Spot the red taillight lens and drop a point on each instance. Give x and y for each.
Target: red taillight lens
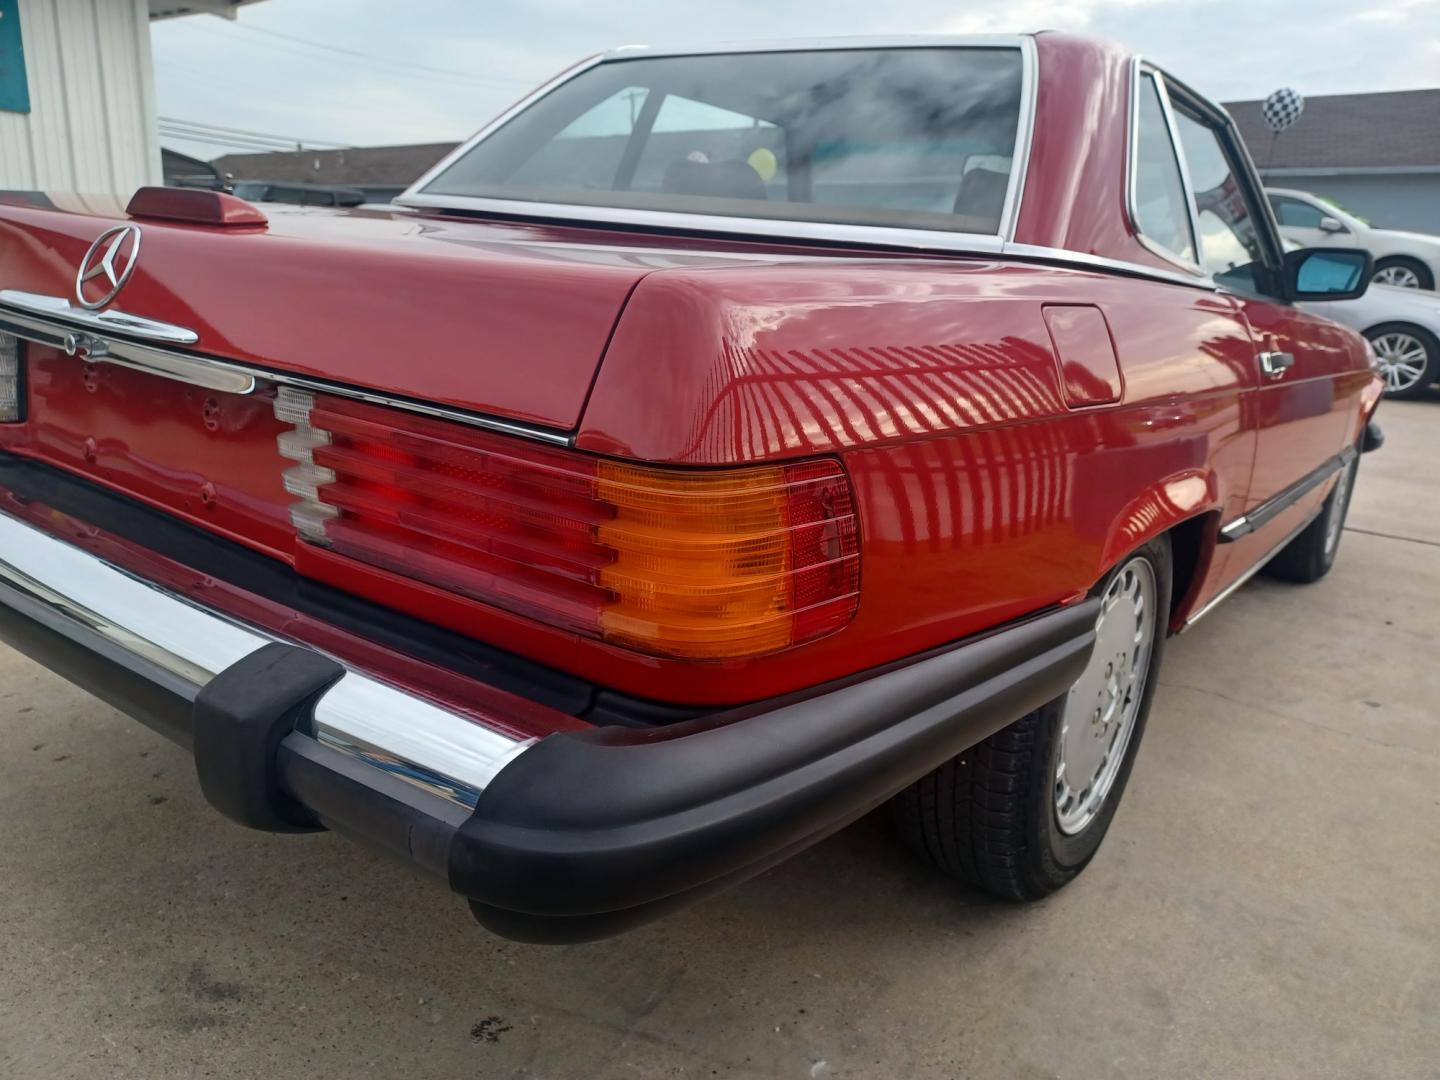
(714, 564)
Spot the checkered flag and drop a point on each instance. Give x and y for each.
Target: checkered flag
(1282, 109)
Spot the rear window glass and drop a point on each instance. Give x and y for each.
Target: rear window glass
(918, 138)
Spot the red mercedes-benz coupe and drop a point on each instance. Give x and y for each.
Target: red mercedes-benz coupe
(719, 445)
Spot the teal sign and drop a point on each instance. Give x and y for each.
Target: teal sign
(14, 91)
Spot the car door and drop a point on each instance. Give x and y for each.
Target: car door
(1301, 409)
(1303, 221)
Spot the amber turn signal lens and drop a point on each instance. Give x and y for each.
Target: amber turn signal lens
(691, 564)
(725, 564)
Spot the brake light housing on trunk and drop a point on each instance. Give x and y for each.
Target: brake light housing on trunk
(713, 564)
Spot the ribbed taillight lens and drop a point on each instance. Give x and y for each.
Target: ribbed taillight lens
(688, 563)
(10, 403)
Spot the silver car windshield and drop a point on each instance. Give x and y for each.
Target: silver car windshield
(913, 138)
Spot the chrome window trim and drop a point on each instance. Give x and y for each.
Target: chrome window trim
(1237, 156)
(1024, 139)
(230, 376)
(1139, 70)
(776, 228)
(1082, 261)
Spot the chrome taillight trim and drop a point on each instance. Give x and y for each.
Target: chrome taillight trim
(184, 645)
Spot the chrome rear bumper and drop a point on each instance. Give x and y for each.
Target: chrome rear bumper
(578, 835)
(182, 647)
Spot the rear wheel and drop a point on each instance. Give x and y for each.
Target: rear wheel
(1409, 358)
(1402, 273)
(1023, 812)
(1310, 555)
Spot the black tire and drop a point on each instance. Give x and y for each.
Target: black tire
(988, 817)
(1421, 387)
(1415, 266)
(1310, 556)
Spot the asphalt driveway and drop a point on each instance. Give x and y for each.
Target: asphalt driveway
(1267, 904)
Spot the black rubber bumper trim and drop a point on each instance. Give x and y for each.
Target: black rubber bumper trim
(586, 832)
(1373, 439)
(238, 721)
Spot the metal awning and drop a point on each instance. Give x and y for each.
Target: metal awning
(170, 9)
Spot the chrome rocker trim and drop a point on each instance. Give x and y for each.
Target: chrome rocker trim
(181, 647)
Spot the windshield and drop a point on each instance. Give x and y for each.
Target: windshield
(916, 138)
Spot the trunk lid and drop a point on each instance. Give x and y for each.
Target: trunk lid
(505, 320)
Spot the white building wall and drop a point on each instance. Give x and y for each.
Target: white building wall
(91, 125)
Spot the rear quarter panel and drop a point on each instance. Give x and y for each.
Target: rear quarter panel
(982, 495)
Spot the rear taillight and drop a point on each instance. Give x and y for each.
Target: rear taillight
(696, 564)
(10, 403)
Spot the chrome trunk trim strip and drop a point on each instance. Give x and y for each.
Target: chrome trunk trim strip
(58, 309)
(227, 375)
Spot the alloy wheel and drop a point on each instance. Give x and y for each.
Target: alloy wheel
(1401, 277)
(1101, 709)
(1402, 359)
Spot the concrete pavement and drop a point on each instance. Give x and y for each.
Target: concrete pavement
(1267, 903)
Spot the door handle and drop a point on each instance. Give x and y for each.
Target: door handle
(1275, 364)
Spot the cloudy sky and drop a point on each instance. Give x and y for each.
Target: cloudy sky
(373, 72)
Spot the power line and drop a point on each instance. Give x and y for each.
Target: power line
(226, 144)
(243, 133)
(352, 58)
(382, 59)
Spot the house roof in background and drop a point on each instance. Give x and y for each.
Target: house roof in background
(1397, 129)
(365, 165)
(174, 163)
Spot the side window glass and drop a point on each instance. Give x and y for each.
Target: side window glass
(1297, 214)
(1161, 212)
(1230, 247)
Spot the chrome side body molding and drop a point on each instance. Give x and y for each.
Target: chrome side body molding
(1248, 523)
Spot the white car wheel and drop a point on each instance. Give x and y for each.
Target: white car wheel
(1402, 277)
(1401, 272)
(1409, 358)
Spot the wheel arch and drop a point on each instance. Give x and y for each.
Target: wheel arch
(1185, 507)
(1419, 265)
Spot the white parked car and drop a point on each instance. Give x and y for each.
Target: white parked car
(1403, 259)
(1403, 326)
